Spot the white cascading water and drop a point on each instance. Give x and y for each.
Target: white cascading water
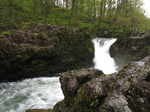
(36, 93)
(102, 59)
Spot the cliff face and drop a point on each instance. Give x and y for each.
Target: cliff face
(89, 90)
(43, 51)
(125, 50)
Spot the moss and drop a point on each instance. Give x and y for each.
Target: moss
(111, 85)
(5, 33)
(43, 35)
(118, 76)
(94, 103)
(102, 75)
(85, 95)
(91, 49)
(35, 34)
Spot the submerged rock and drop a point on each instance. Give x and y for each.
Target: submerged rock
(89, 90)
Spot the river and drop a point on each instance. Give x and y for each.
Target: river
(45, 92)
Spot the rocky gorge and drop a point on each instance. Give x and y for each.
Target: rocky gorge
(56, 51)
(89, 90)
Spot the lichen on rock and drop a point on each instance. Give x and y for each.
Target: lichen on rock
(88, 90)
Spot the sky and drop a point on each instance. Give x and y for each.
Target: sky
(147, 7)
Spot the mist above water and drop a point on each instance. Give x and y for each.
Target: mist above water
(102, 59)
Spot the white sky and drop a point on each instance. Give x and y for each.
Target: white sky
(147, 7)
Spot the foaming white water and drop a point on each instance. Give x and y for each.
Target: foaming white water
(102, 59)
(37, 93)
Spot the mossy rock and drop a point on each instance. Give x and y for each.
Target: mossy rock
(43, 51)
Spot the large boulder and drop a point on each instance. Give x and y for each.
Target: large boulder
(125, 50)
(89, 90)
(43, 51)
(73, 80)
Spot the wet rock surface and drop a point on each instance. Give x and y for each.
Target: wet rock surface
(125, 50)
(89, 90)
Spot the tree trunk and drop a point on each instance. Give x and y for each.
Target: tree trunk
(67, 4)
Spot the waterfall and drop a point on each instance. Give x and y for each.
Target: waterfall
(44, 93)
(102, 59)
(36, 93)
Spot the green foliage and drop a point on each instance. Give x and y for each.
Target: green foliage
(86, 26)
(115, 15)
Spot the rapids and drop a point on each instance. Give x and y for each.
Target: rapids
(36, 93)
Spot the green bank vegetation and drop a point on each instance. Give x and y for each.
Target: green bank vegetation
(120, 16)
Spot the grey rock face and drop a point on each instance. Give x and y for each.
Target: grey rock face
(89, 90)
(125, 50)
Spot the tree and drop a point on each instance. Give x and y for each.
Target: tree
(114, 15)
